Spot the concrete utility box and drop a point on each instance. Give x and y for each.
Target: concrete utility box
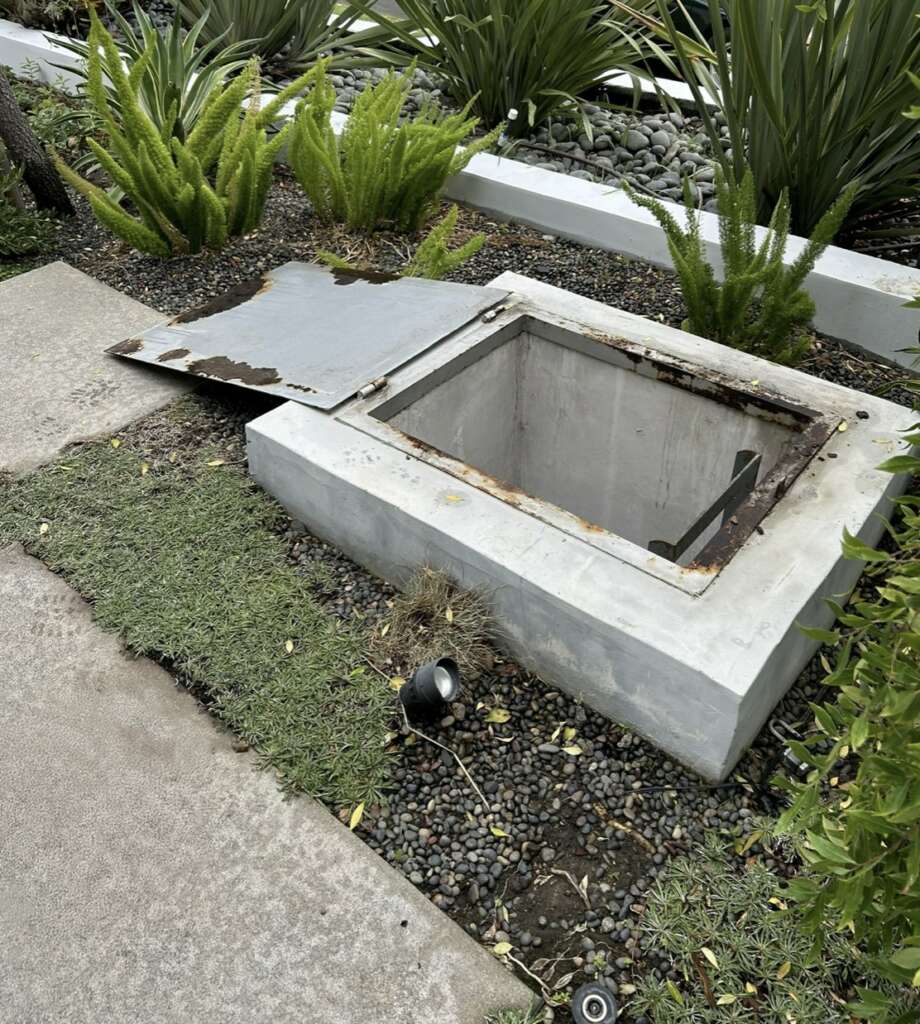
(651, 513)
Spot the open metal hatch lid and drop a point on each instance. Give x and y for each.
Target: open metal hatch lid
(311, 334)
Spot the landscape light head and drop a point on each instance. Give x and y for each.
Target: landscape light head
(594, 1004)
(431, 686)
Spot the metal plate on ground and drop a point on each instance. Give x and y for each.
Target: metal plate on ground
(311, 334)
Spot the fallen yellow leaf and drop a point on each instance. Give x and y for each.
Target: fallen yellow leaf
(726, 1000)
(145, 469)
(710, 956)
(356, 815)
(116, 443)
(216, 462)
(289, 646)
(574, 750)
(385, 630)
(43, 529)
(499, 833)
(784, 970)
(502, 948)
(397, 683)
(449, 615)
(498, 716)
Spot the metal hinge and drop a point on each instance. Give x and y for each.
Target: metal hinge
(492, 314)
(374, 386)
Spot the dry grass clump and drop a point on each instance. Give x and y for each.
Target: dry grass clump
(434, 618)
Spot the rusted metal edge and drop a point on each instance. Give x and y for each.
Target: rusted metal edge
(813, 430)
(751, 513)
(235, 296)
(704, 381)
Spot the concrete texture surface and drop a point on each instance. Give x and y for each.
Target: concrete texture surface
(58, 385)
(695, 659)
(149, 874)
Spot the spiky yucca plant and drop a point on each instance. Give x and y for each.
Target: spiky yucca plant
(381, 171)
(296, 33)
(180, 70)
(188, 194)
(760, 305)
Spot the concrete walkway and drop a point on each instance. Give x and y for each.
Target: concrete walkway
(57, 385)
(148, 873)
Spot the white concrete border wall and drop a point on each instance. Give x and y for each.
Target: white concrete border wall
(860, 299)
(26, 46)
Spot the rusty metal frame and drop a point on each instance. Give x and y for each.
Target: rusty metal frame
(811, 429)
(743, 481)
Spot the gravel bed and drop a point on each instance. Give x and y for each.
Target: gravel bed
(556, 854)
(603, 143)
(507, 865)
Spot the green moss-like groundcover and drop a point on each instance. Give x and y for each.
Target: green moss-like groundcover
(180, 559)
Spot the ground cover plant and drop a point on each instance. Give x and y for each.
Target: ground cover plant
(187, 193)
(856, 818)
(515, 1017)
(813, 94)
(181, 557)
(505, 58)
(382, 171)
(761, 306)
(741, 956)
(23, 232)
(51, 14)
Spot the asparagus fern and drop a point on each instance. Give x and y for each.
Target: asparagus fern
(187, 193)
(760, 306)
(434, 258)
(382, 171)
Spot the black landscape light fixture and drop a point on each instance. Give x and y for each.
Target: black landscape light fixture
(783, 731)
(431, 686)
(594, 1004)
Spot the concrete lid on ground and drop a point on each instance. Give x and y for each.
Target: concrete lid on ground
(150, 874)
(58, 386)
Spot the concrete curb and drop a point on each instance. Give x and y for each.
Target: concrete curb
(860, 299)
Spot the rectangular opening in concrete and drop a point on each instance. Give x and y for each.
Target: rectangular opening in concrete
(651, 514)
(680, 462)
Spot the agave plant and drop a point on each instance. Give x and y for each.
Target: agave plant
(297, 31)
(505, 56)
(179, 75)
(813, 95)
